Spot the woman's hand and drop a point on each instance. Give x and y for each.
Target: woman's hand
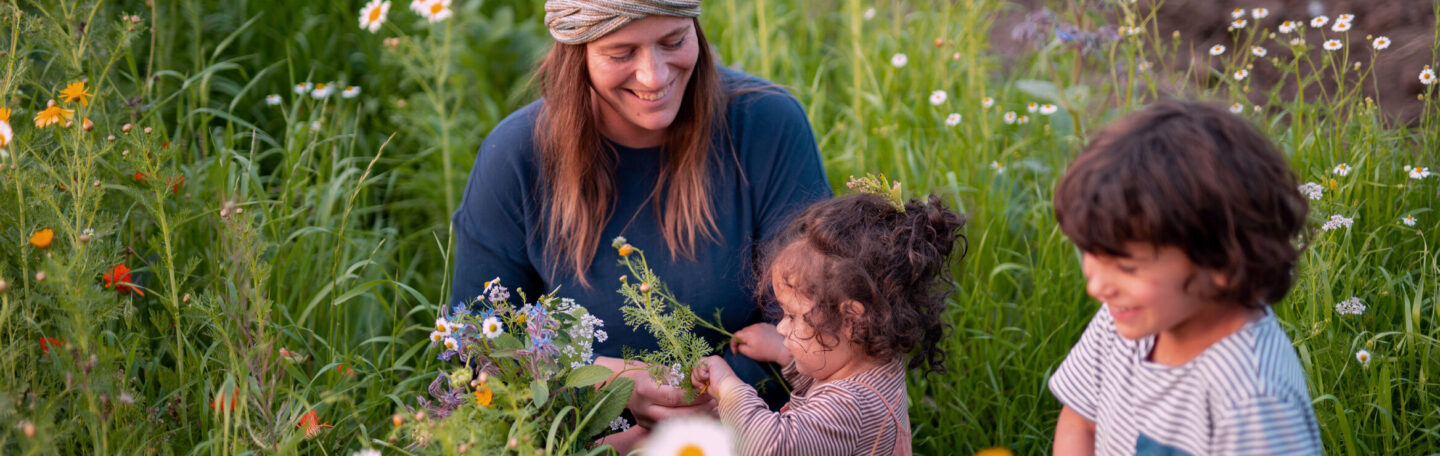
(651, 403)
(715, 376)
(761, 342)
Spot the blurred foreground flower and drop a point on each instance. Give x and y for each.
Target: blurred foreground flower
(372, 16)
(995, 451)
(310, 422)
(6, 133)
(42, 238)
(691, 435)
(47, 342)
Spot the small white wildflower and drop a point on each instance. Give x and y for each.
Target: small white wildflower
(1319, 21)
(1258, 51)
(1363, 356)
(350, 92)
(315, 125)
(322, 90)
(1427, 76)
(938, 97)
(272, 99)
(1032, 107)
(952, 120)
(1297, 41)
(1419, 173)
(1023, 120)
(1217, 49)
(303, 88)
(1287, 27)
(1341, 169)
(367, 451)
(987, 102)
(492, 328)
(1312, 190)
(1340, 26)
(1240, 75)
(619, 424)
(1336, 222)
(1333, 45)
(1408, 220)
(372, 15)
(1381, 43)
(451, 343)
(1010, 117)
(899, 60)
(1237, 13)
(1237, 108)
(436, 10)
(1345, 18)
(999, 168)
(1259, 13)
(1048, 109)
(869, 14)
(1238, 23)
(1351, 306)
(442, 326)
(498, 294)
(436, 336)
(601, 335)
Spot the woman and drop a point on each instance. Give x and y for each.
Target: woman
(639, 133)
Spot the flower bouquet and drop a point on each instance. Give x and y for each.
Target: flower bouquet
(650, 305)
(525, 384)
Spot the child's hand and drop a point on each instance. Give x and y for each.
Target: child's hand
(714, 376)
(761, 342)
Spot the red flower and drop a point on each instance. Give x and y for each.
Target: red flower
(342, 369)
(139, 176)
(119, 277)
(310, 422)
(220, 400)
(47, 342)
(175, 183)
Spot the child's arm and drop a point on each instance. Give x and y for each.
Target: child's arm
(1074, 435)
(830, 423)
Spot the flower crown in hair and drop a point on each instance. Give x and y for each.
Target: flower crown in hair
(879, 185)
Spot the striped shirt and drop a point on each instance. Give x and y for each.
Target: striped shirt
(860, 415)
(1243, 395)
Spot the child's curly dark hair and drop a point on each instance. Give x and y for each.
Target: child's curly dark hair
(895, 264)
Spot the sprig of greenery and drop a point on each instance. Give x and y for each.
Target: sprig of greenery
(651, 305)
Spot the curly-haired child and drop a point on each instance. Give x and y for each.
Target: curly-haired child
(862, 283)
(1186, 218)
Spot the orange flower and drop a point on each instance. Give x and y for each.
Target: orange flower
(119, 277)
(139, 176)
(76, 91)
(342, 369)
(626, 250)
(47, 342)
(41, 239)
(4, 114)
(483, 395)
(53, 115)
(220, 400)
(310, 422)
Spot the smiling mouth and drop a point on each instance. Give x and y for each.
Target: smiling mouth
(653, 96)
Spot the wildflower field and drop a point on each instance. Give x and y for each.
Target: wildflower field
(225, 223)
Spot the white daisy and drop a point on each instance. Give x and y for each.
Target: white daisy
(1048, 109)
(492, 328)
(1217, 49)
(952, 120)
(1340, 26)
(938, 97)
(1427, 76)
(1259, 13)
(1023, 120)
(1312, 190)
(272, 99)
(322, 90)
(987, 102)
(303, 88)
(442, 326)
(373, 15)
(437, 336)
(999, 168)
(1237, 108)
(1010, 117)
(1297, 41)
(1333, 45)
(899, 60)
(7, 134)
(1345, 18)
(1240, 75)
(451, 343)
(350, 92)
(419, 6)
(1381, 43)
(437, 10)
(366, 452)
(1408, 220)
(1287, 27)
(1032, 107)
(1363, 356)
(1237, 13)
(1341, 169)
(690, 435)
(1319, 21)
(1419, 173)
(1258, 51)
(1238, 23)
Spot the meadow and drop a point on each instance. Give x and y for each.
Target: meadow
(233, 236)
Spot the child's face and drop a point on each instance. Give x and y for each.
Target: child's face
(811, 358)
(1148, 291)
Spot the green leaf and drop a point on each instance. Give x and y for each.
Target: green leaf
(540, 392)
(507, 342)
(611, 405)
(587, 375)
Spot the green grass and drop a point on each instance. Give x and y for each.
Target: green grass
(331, 242)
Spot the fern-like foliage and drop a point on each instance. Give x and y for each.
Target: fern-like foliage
(650, 305)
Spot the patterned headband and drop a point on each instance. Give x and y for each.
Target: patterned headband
(583, 21)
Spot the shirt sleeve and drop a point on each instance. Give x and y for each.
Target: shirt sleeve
(829, 423)
(1267, 425)
(491, 224)
(1077, 382)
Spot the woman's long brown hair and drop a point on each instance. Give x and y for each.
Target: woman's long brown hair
(580, 196)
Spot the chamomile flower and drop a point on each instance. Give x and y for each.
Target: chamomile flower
(1319, 21)
(691, 435)
(303, 88)
(1363, 356)
(451, 343)
(899, 60)
(1023, 120)
(1287, 27)
(1381, 43)
(1419, 173)
(437, 336)
(437, 10)
(1217, 49)
(1240, 75)
(1238, 24)
(272, 99)
(372, 16)
(442, 326)
(1351, 306)
(1297, 41)
(1340, 26)
(350, 92)
(1345, 18)
(1427, 76)
(1011, 117)
(492, 328)
(997, 167)
(1048, 109)
(987, 102)
(1258, 51)
(938, 97)
(1259, 13)
(952, 120)
(1336, 222)
(1333, 45)
(322, 90)
(1237, 13)
(1312, 190)
(6, 132)
(1408, 220)
(1341, 169)
(1237, 108)
(1032, 107)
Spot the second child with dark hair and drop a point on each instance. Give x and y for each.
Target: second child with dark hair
(1186, 218)
(861, 281)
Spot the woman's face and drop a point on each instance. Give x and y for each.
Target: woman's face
(639, 74)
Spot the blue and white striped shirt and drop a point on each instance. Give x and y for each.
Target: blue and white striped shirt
(1244, 395)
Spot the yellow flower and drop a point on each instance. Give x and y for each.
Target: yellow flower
(76, 91)
(41, 239)
(483, 395)
(996, 451)
(53, 115)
